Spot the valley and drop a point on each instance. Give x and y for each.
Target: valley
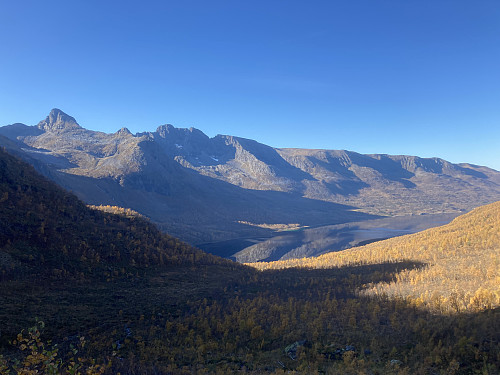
(314, 241)
(133, 300)
(207, 190)
(250, 188)
(314, 285)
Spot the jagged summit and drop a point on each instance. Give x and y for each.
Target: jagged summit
(57, 120)
(123, 131)
(170, 130)
(163, 130)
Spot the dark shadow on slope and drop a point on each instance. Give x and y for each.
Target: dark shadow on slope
(295, 277)
(346, 187)
(389, 168)
(219, 202)
(168, 289)
(321, 307)
(471, 172)
(347, 184)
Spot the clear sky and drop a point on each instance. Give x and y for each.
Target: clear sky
(417, 77)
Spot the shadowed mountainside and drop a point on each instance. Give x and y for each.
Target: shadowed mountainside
(205, 189)
(49, 233)
(48, 237)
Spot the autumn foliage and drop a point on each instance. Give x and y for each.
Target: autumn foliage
(461, 260)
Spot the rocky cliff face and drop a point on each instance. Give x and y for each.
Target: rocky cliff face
(203, 189)
(58, 121)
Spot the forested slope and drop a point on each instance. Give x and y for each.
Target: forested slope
(50, 240)
(46, 230)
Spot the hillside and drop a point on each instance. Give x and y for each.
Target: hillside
(461, 273)
(145, 303)
(233, 187)
(48, 238)
(46, 230)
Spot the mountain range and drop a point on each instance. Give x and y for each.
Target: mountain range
(204, 189)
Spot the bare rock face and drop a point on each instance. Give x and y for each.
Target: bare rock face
(57, 120)
(204, 189)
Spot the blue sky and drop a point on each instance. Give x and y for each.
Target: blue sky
(397, 77)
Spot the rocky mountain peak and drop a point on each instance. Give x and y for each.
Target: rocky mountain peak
(57, 120)
(170, 133)
(123, 131)
(163, 130)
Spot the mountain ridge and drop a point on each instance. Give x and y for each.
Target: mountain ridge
(180, 176)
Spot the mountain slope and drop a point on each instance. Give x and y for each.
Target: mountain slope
(47, 231)
(179, 177)
(52, 244)
(461, 258)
